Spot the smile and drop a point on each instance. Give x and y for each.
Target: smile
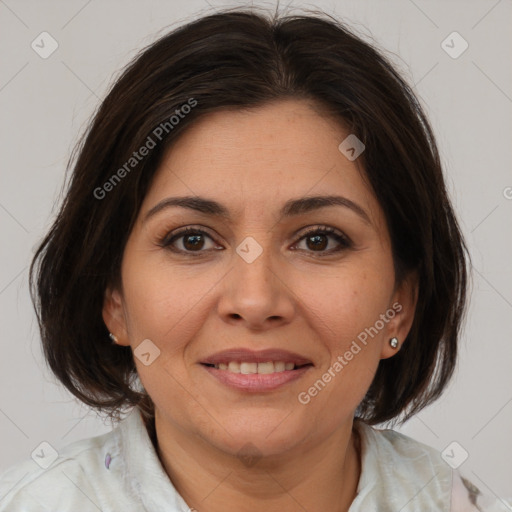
(248, 368)
(256, 377)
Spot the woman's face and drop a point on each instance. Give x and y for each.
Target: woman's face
(254, 280)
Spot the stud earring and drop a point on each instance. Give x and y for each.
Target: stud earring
(393, 342)
(113, 337)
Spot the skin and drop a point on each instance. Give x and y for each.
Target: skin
(252, 162)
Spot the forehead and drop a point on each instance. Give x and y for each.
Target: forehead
(259, 159)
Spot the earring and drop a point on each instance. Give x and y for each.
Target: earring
(393, 342)
(113, 337)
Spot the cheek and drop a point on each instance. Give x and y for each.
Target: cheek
(162, 305)
(347, 302)
(167, 306)
(345, 311)
(160, 299)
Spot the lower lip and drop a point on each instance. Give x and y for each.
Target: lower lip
(256, 382)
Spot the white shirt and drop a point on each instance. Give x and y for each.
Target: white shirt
(121, 471)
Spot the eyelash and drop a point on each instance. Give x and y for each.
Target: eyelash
(345, 243)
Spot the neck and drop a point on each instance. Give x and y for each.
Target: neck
(320, 477)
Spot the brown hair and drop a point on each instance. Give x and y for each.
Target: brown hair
(241, 59)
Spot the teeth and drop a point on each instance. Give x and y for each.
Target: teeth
(247, 368)
(252, 368)
(266, 367)
(279, 366)
(233, 366)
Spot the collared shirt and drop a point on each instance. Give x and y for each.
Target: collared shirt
(121, 471)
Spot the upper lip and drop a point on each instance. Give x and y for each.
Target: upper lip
(255, 356)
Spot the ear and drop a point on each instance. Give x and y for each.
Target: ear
(403, 303)
(114, 315)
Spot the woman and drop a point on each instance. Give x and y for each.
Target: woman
(256, 258)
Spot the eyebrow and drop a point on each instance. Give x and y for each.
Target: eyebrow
(291, 208)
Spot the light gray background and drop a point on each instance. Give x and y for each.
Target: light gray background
(45, 104)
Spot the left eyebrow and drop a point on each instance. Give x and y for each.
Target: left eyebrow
(311, 203)
(291, 208)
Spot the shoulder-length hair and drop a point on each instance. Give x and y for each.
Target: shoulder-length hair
(243, 59)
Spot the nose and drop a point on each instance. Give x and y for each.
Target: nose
(255, 293)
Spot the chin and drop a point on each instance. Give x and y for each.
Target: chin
(267, 437)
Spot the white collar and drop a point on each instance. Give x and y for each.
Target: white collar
(397, 472)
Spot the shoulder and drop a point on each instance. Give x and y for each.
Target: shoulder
(416, 472)
(412, 476)
(71, 479)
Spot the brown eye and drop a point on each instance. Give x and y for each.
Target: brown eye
(192, 242)
(317, 240)
(190, 239)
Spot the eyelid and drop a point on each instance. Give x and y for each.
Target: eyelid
(179, 232)
(343, 240)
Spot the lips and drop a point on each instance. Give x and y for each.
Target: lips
(256, 371)
(241, 355)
